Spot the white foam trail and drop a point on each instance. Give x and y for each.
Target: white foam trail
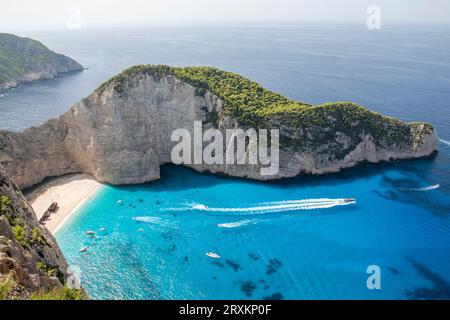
(236, 224)
(303, 201)
(273, 207)
(432, 187)
(445, 142)
(154, 220)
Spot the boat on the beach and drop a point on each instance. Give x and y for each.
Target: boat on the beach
(53, 207)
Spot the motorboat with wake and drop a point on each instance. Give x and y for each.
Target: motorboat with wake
(213, 255)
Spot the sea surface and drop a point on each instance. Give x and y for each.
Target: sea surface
(292, 239)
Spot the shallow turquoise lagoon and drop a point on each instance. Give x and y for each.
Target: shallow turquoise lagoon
(290, 240)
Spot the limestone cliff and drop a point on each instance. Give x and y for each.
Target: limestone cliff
(30, 259)
(121, 133)
(25, 60)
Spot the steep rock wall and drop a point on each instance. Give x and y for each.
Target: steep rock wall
(121, 135)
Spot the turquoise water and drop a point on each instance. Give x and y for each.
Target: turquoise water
(155, 240)
(402, 71)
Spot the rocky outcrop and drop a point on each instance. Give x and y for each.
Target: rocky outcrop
(30, 259)
(24, 60)
(121, 134)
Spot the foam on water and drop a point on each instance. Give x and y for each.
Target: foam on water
(236, 224)
(272, 207)
(428, 188)
(447, 143)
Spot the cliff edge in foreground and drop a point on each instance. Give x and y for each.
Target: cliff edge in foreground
(31, 263)
(25, 60)
(121, 133)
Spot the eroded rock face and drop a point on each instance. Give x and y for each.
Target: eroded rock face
(28, 252)
(123, 136)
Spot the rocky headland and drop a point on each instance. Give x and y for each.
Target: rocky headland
(25, 60)
(121, 133)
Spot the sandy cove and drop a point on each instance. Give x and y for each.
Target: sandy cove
(70, 192)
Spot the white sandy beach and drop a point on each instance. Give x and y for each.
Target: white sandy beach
(70, 192)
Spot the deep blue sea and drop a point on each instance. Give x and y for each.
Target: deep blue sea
(289, 239)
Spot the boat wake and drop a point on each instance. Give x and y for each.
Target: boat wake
(429, 188)
(445, 142)
(236, 224)
(272, 207)
(154, 222)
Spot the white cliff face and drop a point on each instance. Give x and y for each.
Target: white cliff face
(123, 136)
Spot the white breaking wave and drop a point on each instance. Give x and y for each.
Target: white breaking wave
(445, 142)
(236, 224)
(273, 207)
(432, 187)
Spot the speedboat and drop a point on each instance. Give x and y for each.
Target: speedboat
(90, 233)
(84, 249)
(200, 207)
(213, 255)
(349, 200)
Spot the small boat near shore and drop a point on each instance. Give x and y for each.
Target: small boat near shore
(84, 249)
(213, 255)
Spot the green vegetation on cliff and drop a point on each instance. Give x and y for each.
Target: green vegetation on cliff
(64, 293)
(31, 263)
(254, 106)
(8, 284)
(23, 59)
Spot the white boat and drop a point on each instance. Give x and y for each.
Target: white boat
(213, 255)
(102, 229)
(84, 249)
(90, 233)
(200, 207)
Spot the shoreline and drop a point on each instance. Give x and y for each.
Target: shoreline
(70, 192)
